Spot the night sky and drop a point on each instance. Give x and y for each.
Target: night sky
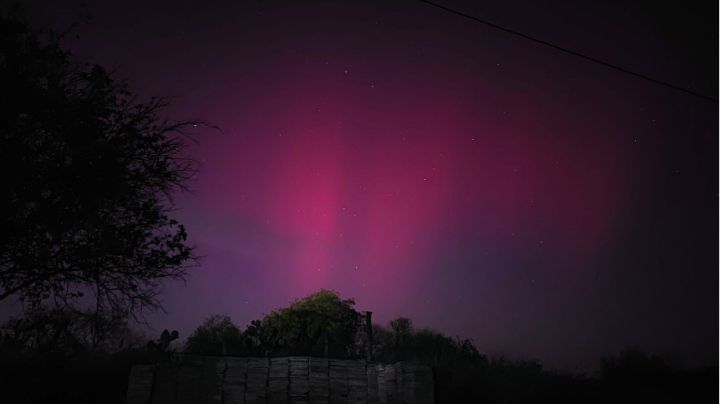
(429, 166)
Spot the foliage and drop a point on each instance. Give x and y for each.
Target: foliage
(461, 373)
(633, 365)
(85, 218)
(52, 329)
(217, 335)
(321, 324)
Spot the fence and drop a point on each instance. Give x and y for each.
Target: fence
(232, 380)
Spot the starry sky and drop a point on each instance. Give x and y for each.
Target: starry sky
(432, 167)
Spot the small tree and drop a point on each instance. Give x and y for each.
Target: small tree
(87, 179)
(217, 335)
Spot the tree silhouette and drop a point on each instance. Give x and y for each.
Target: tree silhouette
(217, 335)
(321, 324)
(57, 330)
(633, 366)
(88, 172)
(402, 331)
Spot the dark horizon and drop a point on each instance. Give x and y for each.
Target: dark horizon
(427, 166)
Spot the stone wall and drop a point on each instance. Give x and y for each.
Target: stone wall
(231, 380)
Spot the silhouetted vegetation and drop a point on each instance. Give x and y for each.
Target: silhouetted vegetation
(462, 374)
(86, 234)
(321, 324)
(217, 335)
(89, 172)
(67, 331)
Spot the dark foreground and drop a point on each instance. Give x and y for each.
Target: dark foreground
(632, 377)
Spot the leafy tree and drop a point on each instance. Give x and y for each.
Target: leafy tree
(217, 335)
(88, 175)
(321, 324)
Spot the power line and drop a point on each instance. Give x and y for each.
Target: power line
(570, 51)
